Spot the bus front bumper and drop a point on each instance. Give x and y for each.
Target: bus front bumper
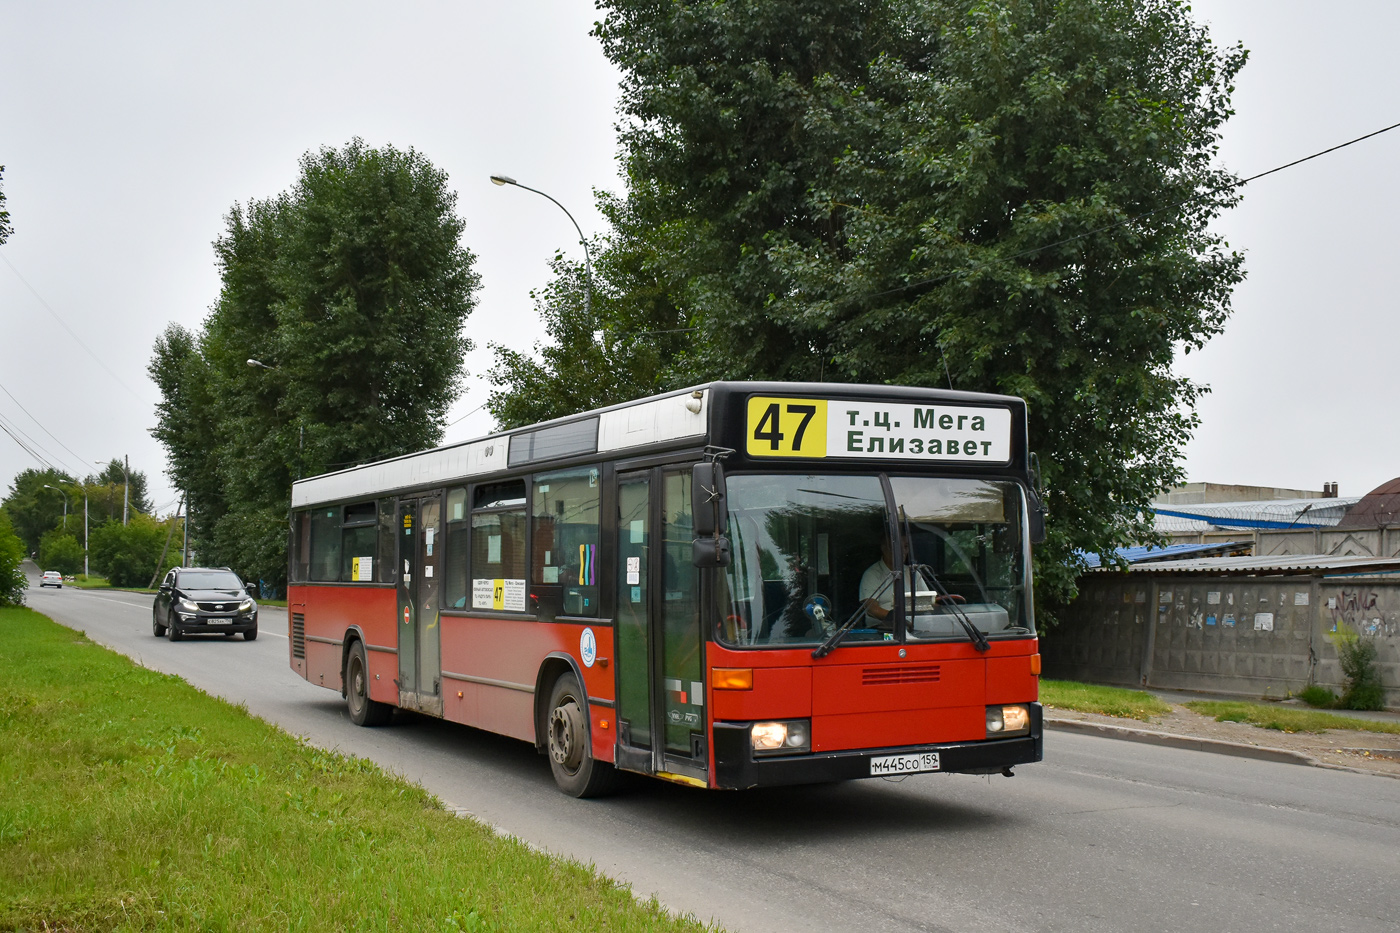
(737, 768)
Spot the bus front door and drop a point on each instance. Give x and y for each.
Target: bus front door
(660, 645)
(420, 642)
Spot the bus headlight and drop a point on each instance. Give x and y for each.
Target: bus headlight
(1008, 720)
(781, 738)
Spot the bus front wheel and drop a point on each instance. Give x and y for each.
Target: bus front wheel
(576, 771)
(363, 710)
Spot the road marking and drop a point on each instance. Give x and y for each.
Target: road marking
(122, 602)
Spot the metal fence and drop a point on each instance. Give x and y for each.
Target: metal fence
(1256, 636)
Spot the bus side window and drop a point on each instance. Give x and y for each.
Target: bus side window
(301, 546)
(455, 561)
(325, 544)
(498, 547)
(564, 560)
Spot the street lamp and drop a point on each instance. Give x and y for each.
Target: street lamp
(65, 503)
(587, 262)
(126, 486)
(301, 428)
(254, 364)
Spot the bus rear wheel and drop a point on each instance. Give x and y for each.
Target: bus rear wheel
(363, 710)
(576, 771)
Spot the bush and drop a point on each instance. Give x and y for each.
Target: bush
(61, 552)
(1318, 696)
(1357, 655)
(127, 554)
(12, 580)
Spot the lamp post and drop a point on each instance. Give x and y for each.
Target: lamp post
(301, 428)
(65, 503)
(587, 261)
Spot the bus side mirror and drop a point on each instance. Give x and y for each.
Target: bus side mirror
(1036, 518)
(708, 509)
(710, 552)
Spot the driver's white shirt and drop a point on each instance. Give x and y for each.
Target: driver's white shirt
(874, 577)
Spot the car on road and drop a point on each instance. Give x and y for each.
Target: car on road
(51, 578)
(203, 601)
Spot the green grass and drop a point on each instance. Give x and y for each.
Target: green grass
(92, 582)
(1286, 719)
(131, 801)
(1109, 701)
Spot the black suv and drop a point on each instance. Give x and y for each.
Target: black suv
(202, 600)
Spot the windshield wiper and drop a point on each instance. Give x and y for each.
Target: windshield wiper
(834, 639)
(979, 638)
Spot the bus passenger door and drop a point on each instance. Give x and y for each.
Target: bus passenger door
(660, 660)
(420, 644)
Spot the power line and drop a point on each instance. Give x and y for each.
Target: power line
(70, 330)
(11, 431)
(40, 424)
(1145, 214)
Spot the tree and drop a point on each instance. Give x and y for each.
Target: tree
(35, 509)
(355, 288)
(12, 580)
(114, 475)
(1002, 196)
(127, 554)
(61, 551)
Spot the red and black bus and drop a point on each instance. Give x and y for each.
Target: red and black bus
(736, 585)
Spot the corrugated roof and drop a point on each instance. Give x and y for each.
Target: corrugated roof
(1134, 555)
(1303, 563)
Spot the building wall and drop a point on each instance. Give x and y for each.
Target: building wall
(1264, 636)
(1339, 542)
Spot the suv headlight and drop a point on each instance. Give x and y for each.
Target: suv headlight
(186, 605)
(247, 606)
(1008, 720)
(781, 738)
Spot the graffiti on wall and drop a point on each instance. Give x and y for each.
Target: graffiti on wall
(1360, 610)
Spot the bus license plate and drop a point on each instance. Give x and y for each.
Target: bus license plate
(903, 764)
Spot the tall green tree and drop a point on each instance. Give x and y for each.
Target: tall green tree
(355, 288)
(35, 509)
(127, 483)
(1008, 196)
(130, 554)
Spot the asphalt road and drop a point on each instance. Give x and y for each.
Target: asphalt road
(1104, 835)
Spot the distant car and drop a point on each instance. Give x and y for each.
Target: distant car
(51, 578)
(203, 600)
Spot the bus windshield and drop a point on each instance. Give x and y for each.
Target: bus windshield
(813, 552)
(965, 542)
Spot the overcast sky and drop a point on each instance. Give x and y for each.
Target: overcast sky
(129, 130)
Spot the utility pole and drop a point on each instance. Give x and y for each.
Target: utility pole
(85, 530)
(185, 551)
(126, 487)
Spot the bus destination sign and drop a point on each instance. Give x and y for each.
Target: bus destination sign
(810, 427)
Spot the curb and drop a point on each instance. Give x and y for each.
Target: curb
(1172, 740)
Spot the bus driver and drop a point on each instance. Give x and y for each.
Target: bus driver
(878, 608)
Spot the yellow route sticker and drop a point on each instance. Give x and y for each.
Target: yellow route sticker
(786, 427)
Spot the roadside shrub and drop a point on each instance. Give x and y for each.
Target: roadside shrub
(61, 552)
(1357, 655)
(12, 579)
(1318, 696)
(127, 554)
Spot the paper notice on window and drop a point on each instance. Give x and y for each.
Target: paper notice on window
(513, 600)
(549, 575)
(493, 549)
(482, 595)
(362, 569)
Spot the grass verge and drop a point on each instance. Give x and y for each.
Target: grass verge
(1109, 701)
(1285, 719)
(88, 582)
(131, 801)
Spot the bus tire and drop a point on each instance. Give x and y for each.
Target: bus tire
(363, 710)
(576, 771)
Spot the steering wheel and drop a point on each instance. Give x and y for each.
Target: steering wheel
(818, 609)
(950, 598)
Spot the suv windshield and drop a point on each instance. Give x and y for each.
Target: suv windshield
(209, 580)
(812, 552)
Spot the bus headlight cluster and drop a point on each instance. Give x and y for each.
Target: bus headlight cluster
(1008, 720)
(781, 738)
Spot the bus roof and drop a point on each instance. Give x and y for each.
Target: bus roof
(710, 414)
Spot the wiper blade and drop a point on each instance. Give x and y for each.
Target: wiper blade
(979, 639)
(834, 639)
